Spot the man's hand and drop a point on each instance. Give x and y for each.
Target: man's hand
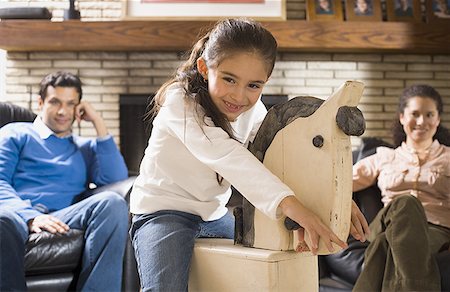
(86, 112)
(47, 222)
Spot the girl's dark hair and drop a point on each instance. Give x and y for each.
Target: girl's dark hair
(425, 91)
(60, 79)
(226, 38)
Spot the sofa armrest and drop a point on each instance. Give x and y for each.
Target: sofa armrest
(122, 188)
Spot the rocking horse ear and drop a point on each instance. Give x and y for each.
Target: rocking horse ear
(350, 120)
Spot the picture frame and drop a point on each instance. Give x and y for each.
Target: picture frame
(363, 10)
(403, 10)
(203, 9)
(438, 11)
(324, 10)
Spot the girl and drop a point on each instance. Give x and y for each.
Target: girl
(205, 117)
(414, 181)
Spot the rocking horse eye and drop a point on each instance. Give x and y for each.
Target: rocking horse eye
(318, 141)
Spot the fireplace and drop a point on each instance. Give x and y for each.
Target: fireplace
(134, 131)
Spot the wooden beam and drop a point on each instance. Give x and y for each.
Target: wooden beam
(292, 35)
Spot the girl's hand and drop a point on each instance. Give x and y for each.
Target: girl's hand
(359, 227)
(311, 223)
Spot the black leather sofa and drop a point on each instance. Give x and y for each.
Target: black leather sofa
(338, 272)
(52, 261)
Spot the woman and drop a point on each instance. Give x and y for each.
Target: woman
(414, 180)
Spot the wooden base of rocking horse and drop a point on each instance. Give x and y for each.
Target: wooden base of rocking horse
(218, 265)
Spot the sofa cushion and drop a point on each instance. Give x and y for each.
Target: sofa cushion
(46, 252)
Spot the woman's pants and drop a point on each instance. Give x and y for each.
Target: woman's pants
(402, 247)
(164, 242)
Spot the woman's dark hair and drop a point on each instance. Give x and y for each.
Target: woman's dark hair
(226, 38)
(60, 79)
(425, 91)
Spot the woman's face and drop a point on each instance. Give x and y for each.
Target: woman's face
(420, 120)
(236, 83)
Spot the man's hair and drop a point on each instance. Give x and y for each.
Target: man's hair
(60, 79)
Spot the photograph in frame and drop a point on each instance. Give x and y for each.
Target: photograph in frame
(203, 9)
(404, 10)
(363, 10)
(324, 10)
(438, 10)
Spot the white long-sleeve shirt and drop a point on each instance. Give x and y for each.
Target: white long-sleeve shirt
(183, 156)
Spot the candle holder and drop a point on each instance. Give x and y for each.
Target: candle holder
(71, 13)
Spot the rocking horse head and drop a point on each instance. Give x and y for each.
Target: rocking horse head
(305, 142)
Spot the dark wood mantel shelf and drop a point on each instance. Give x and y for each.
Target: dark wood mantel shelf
(292, 35)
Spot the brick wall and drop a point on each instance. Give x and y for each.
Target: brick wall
(106, 74)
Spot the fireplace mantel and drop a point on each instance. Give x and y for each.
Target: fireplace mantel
(292, 35)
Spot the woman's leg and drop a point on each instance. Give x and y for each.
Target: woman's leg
(408, 263)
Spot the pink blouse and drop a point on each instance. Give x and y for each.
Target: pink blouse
(398, 172)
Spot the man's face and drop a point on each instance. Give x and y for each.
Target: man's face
(58, 109)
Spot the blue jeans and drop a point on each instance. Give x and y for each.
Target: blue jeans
(163, 244)
(103, 216)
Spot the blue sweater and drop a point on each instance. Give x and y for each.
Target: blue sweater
(46, 174)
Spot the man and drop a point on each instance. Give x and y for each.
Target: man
(43, 167)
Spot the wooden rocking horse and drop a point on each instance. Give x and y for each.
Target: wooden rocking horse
(306, 143)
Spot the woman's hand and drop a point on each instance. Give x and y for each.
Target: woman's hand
(311, 223)
(359, 228)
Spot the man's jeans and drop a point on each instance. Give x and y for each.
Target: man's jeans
(103, 216)
(163, 243)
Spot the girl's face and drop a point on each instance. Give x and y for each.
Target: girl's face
(236, 83)
(420, 120)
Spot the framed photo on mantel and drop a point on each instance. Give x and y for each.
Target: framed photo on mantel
(403, 10)
(363, 10)
(203, 9)
(324, 10)
(438, 11)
